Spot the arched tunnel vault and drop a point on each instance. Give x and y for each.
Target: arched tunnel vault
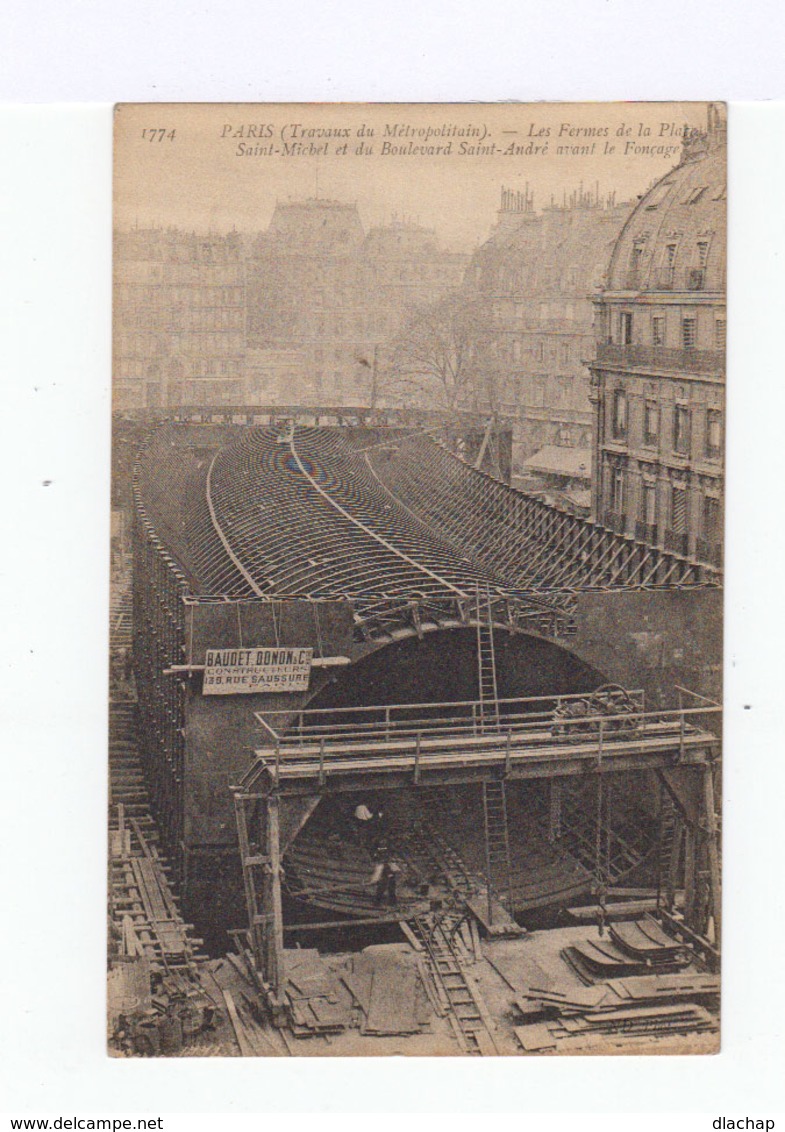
(442, 667)
(326, 865)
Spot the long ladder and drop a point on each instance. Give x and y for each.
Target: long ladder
(498, 866)
(668, 852)
(486, 663)
(470, 1021)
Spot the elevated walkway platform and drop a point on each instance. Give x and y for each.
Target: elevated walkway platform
(443, 744)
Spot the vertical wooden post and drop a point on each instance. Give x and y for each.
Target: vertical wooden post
(273, 911)
(681, 734)
(713, 853)
(673, 864)
(254, 927)
(487, 851)
(689, 875)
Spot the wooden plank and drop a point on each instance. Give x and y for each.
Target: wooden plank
(431, 988)
(535, 1037)
(392, 1006)
(410, 936)
(479, 1002)
(485, 1043)
(478, 956)
(501, 920)
(246, 1048)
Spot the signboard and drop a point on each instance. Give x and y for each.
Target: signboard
(234, 671)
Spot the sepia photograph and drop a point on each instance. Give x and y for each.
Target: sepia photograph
(416, 640)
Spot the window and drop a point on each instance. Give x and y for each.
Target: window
(617, 491)
(669, 264)
(619, 423)
(679, 510)
(711, 519)
(657, 196)
(681, 430)
(697, 276)
(719, 334)
(636, 259)
(649, 504)
(651, 422)
(658, 331)
(713, 434)
(688, 333)
(626, 328)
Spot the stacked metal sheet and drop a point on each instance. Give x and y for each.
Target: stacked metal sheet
(639, 947)
(649, 1004)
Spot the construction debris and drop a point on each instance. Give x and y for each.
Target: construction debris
(317, 1002)
(651, 1004)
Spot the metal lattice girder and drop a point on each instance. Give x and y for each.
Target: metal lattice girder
(407, 537)
(529, 543)
(303, 514)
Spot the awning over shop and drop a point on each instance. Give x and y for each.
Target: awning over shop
(556, 461)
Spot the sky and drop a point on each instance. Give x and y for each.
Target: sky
(189, 166)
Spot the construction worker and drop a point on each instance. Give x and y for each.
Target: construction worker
(363, 817)
(385, 876)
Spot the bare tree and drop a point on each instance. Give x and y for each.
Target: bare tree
(435, 358)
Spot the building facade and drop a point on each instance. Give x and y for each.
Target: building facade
(658, 378)
(298, 313)
(324, 297)
(179, 318)
(535, 272)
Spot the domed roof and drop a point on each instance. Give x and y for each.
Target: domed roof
(675, 239)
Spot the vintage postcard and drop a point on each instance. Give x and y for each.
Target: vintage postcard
(416, 620)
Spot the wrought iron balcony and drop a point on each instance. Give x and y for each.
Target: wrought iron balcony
(616, 521)
(706, 551)
(677, 541)
(646, 532)
(663, 358)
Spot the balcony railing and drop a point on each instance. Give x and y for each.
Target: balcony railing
(677, 541)
(332, 743)
(708, 551)
(646, 532)
(663, 358)
(616, 521)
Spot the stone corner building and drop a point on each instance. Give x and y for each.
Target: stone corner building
(658, 380)
(535, 272)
